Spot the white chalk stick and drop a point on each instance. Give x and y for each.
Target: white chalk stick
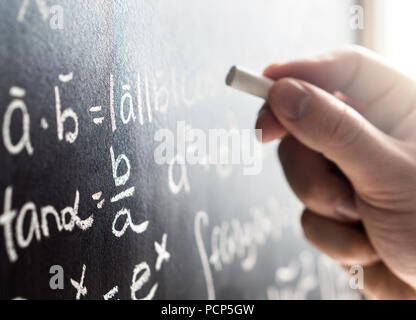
(244, 80)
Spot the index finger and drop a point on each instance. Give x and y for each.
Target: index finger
(355, 71)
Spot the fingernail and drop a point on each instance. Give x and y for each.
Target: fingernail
(346, 208)
(291, 99)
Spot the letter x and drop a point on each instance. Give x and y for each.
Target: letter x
(162, 253)
(81, 290)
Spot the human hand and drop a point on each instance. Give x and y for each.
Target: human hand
(348, 124)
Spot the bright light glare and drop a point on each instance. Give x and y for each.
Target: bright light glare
(395, 33)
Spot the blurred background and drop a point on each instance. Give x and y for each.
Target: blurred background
(388, 29)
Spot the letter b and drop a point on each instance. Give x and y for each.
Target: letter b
(115, 162)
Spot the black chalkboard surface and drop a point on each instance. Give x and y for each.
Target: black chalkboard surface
(87, 90)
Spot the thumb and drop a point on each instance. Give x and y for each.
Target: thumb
(327, 125)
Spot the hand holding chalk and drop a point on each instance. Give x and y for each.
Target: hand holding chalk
(373, 148)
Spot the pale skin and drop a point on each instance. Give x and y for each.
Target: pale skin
(347, 122)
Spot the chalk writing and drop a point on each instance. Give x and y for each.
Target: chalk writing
(39, 225)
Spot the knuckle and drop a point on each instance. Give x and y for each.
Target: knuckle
(345, 132)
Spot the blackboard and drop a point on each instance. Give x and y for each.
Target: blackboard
(84, 88)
